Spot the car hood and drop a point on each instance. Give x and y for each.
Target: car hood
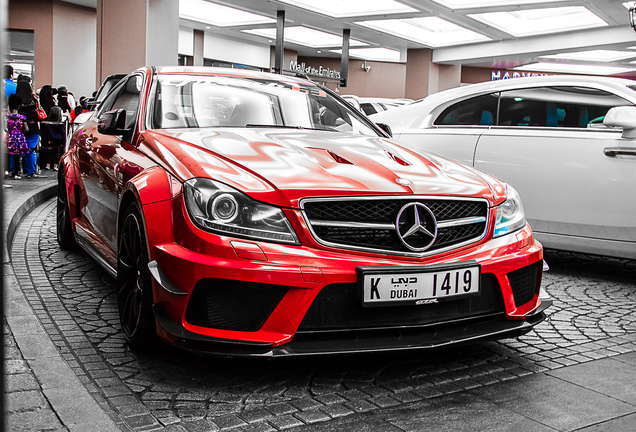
(282, 166)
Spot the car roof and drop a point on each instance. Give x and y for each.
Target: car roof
(403, 114)
(219, 71)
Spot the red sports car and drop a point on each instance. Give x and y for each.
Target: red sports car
(247, 213)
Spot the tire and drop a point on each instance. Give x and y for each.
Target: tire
(65, 236)
(134, 287)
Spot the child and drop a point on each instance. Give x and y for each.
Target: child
(16, 128)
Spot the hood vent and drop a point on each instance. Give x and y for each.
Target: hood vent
(398, 159)
(334, 156)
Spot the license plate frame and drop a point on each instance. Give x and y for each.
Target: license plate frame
(402, 279)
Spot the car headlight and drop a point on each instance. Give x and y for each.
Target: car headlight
(220, 209)
(510, 214)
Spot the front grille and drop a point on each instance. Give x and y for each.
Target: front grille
(233, 305)
(370, 223)
(337, 307)
(524, 282)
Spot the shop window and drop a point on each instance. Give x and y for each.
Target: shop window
(21, 54)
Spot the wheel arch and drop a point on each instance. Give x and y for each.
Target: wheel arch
(152, 190)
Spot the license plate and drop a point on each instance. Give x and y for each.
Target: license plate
(382, 286)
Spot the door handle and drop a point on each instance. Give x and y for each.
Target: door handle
(618, 152)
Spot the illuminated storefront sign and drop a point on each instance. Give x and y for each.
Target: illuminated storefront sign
(309, 70)
(496, 75)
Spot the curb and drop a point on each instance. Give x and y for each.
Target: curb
(21, 208)
(73, 405)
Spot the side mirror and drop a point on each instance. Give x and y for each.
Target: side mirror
(386, 128)
(113, 123)
(622, 117)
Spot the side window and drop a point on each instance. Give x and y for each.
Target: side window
(478, 111)
(559, 106)
(128, 99)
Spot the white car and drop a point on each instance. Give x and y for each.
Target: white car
(371, 105)
(566, 143)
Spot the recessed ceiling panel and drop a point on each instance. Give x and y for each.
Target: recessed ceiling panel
(581, 69)
(377, 54)
(593, 55)
(306, 37)
(541, 21)
(217, 15)
(351, 8)
(430, 31)
(473, 4)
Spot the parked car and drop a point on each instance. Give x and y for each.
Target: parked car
(554, 139)
(371, 105)
(245, 213)
(99, 95)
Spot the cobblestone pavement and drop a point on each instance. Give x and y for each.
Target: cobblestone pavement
(594, 317)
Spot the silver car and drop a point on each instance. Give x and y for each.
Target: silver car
(566, 143)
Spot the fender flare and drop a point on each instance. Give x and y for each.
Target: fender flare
(153, 190)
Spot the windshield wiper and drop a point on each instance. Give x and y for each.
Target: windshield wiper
(256, 125)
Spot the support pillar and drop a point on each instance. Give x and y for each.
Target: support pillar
(199, 38)
(136, 33)
(424, 77)
(279, 53)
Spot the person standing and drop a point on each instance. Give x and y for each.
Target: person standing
(28, 110)
(16, 141)
(8, 84)
(64, 100)
(47, 101)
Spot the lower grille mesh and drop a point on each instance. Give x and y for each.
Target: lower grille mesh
(233, 305)
(524, 283)
(338, 308)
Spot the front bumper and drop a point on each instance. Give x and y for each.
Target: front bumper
(300, 273)
(357, 342)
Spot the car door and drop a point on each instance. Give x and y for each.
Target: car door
(102, 158)
(455, 130)
(576, 194)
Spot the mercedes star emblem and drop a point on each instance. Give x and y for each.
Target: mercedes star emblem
(416, 226)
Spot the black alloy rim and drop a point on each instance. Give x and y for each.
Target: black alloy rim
(62, 203)
(131, 271)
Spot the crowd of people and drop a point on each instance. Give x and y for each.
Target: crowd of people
(36, 124)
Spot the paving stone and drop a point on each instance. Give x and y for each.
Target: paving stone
(25, 400)
(594, 317)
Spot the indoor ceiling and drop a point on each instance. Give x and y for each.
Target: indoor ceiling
(487, 33)
(542, 35)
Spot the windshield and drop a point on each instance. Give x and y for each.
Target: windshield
(218, 101)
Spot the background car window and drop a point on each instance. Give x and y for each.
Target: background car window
(560, 106)
(478, 111)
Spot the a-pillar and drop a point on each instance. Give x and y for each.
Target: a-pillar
(424, 77)
(136, 33)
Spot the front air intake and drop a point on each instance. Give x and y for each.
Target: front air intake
(233, 305)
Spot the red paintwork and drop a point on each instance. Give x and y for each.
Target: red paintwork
(278, 167)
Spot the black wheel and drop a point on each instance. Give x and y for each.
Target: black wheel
(65, 237)
(134, 289)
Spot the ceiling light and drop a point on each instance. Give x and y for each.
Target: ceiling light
(474, 4)
(351, 8)
(217, 15)
(574, 68)
(540, 21)
(430, 31)
(593, 55)
(378, 54)
(305, 36)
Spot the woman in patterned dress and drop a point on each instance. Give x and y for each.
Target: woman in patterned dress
(16, 128)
